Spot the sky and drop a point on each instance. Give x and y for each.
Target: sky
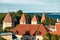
(30, 5)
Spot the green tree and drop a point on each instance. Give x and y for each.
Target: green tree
(47, 36)
(49, 21)
(54, 37)
(7, 29)
(19, 11)
(28, 18)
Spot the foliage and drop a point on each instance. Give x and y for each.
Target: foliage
(54, 37)
(2, 15)
(19, 11)
(8, 29)
(49, 21)
(49, 36)
(28, 17)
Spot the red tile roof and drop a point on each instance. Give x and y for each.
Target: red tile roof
(23, 18)
(43, 17)
(8, 18)
(34, 18)
(57, 25)
(33, 29)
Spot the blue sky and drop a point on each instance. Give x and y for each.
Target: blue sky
(30, 5)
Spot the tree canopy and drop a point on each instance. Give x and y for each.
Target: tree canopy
(49, 36)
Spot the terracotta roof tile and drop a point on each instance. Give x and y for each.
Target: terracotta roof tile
(34, 18)
(23, 17)
(43, 17)
(8, 18)
(22, 28)
(57, 25)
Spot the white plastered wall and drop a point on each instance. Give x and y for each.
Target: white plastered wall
(39, 37)
(33, 22)
(7, 24)
(22, 22)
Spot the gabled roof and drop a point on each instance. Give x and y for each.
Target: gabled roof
(57, 27)
(22, 28)
(43, 17)
(34, 18)
(8, 18)
(23, 18)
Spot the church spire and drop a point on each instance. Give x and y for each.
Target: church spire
(43, 17)
(8, 22)
(8, 18)
(23, 19)
(34, 20)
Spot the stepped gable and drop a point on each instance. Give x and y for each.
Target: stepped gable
(8, 18)
(34, 18)
(33, 29)
(23, 18)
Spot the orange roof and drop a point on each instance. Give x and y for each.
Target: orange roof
(34, 18)
(8, 18)
(57, 25)
(43, 17)
(58, 33)
(33, 29)
(23, 18)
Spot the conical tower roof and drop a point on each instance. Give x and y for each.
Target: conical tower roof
(8, 18)
(34, 18)
(43, 17)
(23, 18)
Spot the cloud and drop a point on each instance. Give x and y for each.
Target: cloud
(30, 1)
(36, 5)
(22, 1)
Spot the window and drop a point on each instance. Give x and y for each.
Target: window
(38, 32)
(38, 39)
(27, 32)
(23, 22)
(16, 32)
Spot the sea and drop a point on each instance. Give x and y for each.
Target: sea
(50, 15)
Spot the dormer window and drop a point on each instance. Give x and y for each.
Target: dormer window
(38, 32)
(16, 32)
(27, 32)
